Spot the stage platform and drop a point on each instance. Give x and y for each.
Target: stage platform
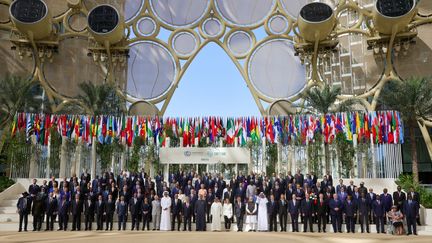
(208, 237)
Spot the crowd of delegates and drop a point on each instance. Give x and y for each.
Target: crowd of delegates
(259, 201)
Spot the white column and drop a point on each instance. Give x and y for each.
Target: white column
(77, 162)
(166, 172)
(355, 165)
(93, 159)
(33, 165)
(47, 174)
(62, 172)
(279, 157)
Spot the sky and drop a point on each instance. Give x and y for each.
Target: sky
(212, 85)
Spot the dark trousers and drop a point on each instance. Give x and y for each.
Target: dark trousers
(307, 219)
(187, 222)
(322, 222)
(411, 225)
(174, 217)
(364, 222)
(37, 222)
(350, 224)
(99, 221)
(23, 218)
(76, 221)
(272, 222)
(122, 222)
(88, 221)
(209, 217)
(109, 221)
(283, 221)
(146, 221)
(50, 222)
(294, 222)
(239, 223)
(135, 221)
(379, 221)
(63, 221)
(227, 222)
(336, 220)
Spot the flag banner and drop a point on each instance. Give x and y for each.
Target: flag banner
(384, 127)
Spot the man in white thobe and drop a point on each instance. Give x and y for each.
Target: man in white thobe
(262, 212)
(165, 223)
(216, 213)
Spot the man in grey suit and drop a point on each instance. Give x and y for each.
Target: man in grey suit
(239, 212)
(156, 212)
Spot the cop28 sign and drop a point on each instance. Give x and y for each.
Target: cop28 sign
(210, 155)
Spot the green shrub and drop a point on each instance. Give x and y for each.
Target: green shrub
(5, 182)
(406, 181)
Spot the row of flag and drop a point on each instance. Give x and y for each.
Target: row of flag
(379, 127)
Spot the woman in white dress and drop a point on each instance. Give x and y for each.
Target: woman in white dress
(165, 223)
(216, 213)
(251, 214)
(227, 213)
(262, 212)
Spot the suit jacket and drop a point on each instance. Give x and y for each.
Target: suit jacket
(64, 208)
(176, 206)
(364, 206)
(109, 207)
(122, 209)
(282, 207)
(33, 189)
(415, 196)
(99, 207)
(76, 207)
(350, 208)
(333, 204)
(187, 211)
(293, 209)
(51, 206)
(307, 207)
(411, 210)
(387, 201)
(378, 209)
(321, 207)
(135, 207)
(399, 198)
(272, 208)
(239, 210)
(24, 205)
(89, 206)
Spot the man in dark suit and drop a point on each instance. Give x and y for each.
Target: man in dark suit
(33, 188)
(135, 209)
(415, 197)
(411, 210)
(63, 213)
(76, 209)
(307, 211)
(321, 210)
(299, 177)
(109, 212)
(187, 215)
(122, 211)
(38, 209)
(350, 212)
(239, 212)
(336, 209)
(99, 212)
(293, 209)
(23, 208)
(176, 210)
(363, 211)
(51, 206)
(272, 210)
(399, 197)
(379, 214)
(283, 212)
(371, 196)
(89, 207)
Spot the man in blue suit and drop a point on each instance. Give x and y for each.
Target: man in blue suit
(23, 208)
(363, 211)
(350, 212)
(122, 212)
(293, 209)
(336, 208)
(411, 210)
(379, 214)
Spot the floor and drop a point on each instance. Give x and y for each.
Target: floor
(208, 237)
